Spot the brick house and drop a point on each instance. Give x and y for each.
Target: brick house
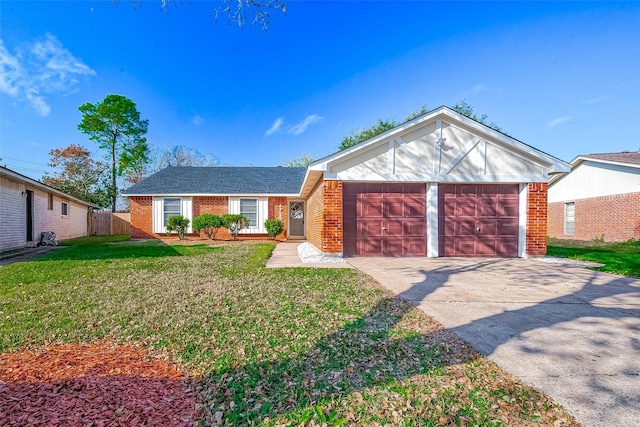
(438, 185)
(598, 199)
(29, 207)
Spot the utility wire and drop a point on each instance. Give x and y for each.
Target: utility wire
(23, 161)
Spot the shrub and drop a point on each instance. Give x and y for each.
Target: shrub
(209, 223)
(177, 223)
(234, 223)
(274, 227)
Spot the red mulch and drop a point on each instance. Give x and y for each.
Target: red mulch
(98, 384)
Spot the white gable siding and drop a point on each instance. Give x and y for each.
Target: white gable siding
(594, 179)
(438, 152)
(263, 212)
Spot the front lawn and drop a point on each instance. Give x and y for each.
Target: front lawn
(618, 257)
(263, 346)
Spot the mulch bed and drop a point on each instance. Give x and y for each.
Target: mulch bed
(99, 384)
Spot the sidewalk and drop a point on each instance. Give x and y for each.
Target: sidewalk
(286, 255)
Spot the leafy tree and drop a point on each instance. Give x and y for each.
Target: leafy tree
(274, 227)
(301, 162)
(116, 126)
(209, 223)
(179, 224)
(79, 175)
(381, 126)
(237, 12)
(234, 223)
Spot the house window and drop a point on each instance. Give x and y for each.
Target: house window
(50, 204)
(64, 210)
(569, 218)
(171, 208)
(249, 208)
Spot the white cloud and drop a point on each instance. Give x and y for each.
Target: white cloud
(299, 128)
(558, 120)
(197, 120)
(597, 99)
(275, 126)
(39, 68)
(480, 87)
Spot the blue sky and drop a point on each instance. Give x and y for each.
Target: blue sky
(561, 76)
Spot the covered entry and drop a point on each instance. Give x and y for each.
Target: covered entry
(385, 219)
(478, 219)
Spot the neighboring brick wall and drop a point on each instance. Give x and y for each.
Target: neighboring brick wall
(141, 217)
(278, 208)
(614, 218)
(332, 237)
(537, 218)
(315, 213)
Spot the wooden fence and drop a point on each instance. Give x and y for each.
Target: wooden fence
(107, 223)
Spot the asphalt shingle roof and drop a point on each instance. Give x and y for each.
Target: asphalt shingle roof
(630, 157)
(221, 180)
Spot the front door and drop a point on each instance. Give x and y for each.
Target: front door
(296, 220)
(29, 216)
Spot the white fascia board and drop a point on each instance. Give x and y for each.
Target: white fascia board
(581, 159)
(25, 179)
(212, 195)
(435, 178)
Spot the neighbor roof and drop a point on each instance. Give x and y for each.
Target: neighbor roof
(624, 157)
(220, 180)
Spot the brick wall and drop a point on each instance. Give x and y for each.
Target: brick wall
(315, 215)
(278, 208)
(614, 218)
(332, 237)
(141, 217)
(217, 205)
(537, 218)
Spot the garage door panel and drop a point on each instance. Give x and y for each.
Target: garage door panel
(478, 219)
(390, 218)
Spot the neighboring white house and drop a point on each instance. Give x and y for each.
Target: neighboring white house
(29, 207)
(598, 199)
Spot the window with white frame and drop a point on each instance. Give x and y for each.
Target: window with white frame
(64, 210)
(569, 218)
(171, 207)
(249, 208)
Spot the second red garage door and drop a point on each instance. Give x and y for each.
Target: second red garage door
(384, 219)
(478, 219)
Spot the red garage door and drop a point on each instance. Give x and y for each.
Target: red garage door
(384, 219)
(478, 220)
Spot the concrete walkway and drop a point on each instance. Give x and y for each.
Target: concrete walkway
(286, 255)
(569, 332)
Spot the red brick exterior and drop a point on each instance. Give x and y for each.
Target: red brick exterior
(614, 218)
(141, 217)
(537, 218)
(324, 217)
(278, 208)
(218, 205)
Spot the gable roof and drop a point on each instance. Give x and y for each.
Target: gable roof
(220, 180)
(25, 179)
(625, 157)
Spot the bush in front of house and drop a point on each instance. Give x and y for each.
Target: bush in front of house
(234, 223)
(179, 224)
(209, 223)
(274, 227)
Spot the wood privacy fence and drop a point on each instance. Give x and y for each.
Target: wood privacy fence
(107, 223)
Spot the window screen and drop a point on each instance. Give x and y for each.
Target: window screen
(249, 208)
(65, 209)
(50, 202)
(569, 218)
(171, 208)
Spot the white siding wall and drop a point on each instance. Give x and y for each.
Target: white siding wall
(13, 220)
(591, 179)
(263, 212)
(12, 215)
(186, 210)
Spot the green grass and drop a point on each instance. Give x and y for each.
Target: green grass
(618, 258)
(264, 346)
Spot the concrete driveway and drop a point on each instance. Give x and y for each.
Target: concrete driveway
(570, 332)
